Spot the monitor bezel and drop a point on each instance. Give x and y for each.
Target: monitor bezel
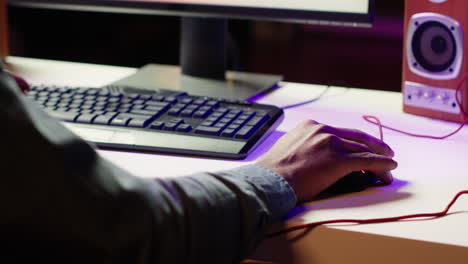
(210, 11)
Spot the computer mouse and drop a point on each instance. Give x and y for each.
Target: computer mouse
(354, 182)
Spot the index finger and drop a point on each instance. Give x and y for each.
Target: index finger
(378, 164)
(375, 144)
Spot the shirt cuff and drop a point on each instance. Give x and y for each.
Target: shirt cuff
(280, 194)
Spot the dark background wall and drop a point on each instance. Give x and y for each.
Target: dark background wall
(355, 57)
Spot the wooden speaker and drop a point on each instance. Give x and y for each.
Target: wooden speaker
(3, 29)
(435, 58)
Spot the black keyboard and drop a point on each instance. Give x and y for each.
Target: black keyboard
(164, 121)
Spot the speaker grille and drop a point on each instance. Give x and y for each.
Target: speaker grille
(434, 46)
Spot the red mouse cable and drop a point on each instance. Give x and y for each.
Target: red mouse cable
(374, 120)
(373, 220)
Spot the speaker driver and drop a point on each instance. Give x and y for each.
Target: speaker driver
(435, 46)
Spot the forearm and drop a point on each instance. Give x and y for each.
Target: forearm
(225, 214)
(57, 188)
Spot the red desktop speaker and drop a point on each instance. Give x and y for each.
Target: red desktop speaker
(435, 58)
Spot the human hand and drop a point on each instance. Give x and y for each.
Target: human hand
(313, 156)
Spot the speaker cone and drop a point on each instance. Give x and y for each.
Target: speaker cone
(434, 46)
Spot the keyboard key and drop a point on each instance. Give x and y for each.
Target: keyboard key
(199, 101)
(98, 112)
(157, 125)
(221, 125)
(177, 121)
(186, 100)
(102, 98)
(223, 109)
(50, 104)
(139, 122)
(205, 130)
(171, 99)
(85, 118)
(234, 126)
(238, 122)
(65, 116)
(113, 100)
(126, 100)
(212, 103)
(187, 112)
(201, 114)
(146, 97)
(103, 92)
(174, 111)
(133, 96)
(91, 91)
(138, 102)
(225, 120)
(228, 132)
(158, 98)
(142, 112)
(170, 126)
(212, 118)
(206, 123)
(119, 121)
(257, 121)
(157, 104)
(179, 105)
(62, 105)
(245, 132)
(153, 108)
(86, 107)
(100, 103)
(138, 107)
(184, 128)
(193, 107)
(244, 117)
(62, 109)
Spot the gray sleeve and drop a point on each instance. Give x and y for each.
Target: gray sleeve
(58, 199)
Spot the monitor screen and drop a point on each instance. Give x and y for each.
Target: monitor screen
(203, 38)
(351, 12)
(342, 6)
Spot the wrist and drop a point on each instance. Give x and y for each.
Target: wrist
(281, 171)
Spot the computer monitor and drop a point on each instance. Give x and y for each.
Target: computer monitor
(203, 69)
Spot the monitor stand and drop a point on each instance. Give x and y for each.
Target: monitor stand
(203, 66)
(238, 85)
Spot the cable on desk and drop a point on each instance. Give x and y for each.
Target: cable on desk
(373, 220)
(374, 120)
(308, 101)
(457, 98)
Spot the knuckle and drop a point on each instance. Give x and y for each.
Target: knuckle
(322, 128)
(361, 134)
(330, 140)
(309, 123)
(357, 131)
(370, 159)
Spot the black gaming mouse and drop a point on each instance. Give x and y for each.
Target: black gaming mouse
(354, 182)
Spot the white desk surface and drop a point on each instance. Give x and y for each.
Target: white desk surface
(430, 172)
